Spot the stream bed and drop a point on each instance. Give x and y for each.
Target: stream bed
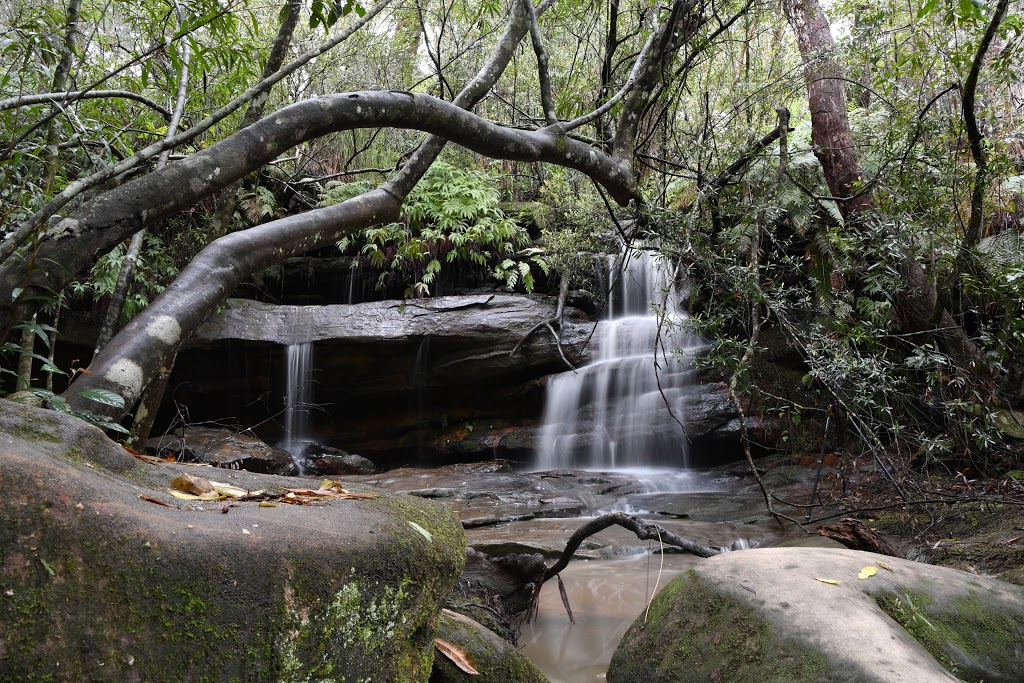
(613, 574)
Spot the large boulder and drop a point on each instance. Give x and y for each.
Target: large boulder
(108, 577)
(767, 615)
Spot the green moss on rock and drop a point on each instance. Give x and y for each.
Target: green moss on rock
(496, 659)
(695, 635)
(970, 639)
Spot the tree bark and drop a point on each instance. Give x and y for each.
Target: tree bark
(826, 96)
(840, 161)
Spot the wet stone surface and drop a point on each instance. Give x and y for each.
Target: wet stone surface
(505, 511)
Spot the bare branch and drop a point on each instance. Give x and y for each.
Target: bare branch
(645, 531)
(68, 95)
(543, 78)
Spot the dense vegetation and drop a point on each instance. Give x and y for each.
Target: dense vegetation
(888, 263)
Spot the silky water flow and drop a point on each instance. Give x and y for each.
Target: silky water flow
(625, 409)
(298, 399)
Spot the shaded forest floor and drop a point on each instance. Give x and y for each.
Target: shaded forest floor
(953, 520)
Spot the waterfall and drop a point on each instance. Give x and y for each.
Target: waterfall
(298, 398)
(623, 409)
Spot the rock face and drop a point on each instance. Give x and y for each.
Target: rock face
(223, 448)
(100, 583)
(414, 381)
(389, 376)
(764, 615)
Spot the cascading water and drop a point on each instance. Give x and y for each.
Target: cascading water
(298, 398)
(624, 409)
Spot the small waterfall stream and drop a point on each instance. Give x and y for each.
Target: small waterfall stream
(624, 409)
(298, 398)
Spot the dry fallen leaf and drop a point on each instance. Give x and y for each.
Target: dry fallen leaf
(831, 582)
(194, 485)
(217, 490)
(457, 655)
(885, 567)
(328, 489)
(867, 572)
(191, 496)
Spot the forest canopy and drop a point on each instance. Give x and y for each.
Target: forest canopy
(842, 180)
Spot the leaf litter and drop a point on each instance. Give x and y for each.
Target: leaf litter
(188, 487)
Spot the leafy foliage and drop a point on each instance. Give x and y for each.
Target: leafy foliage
(451, 217)
(153, 270)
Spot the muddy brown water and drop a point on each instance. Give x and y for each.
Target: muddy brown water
(606, 596)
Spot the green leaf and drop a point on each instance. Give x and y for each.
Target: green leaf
(927, 9)
(104, 396)
(47, 367)
(426, 534)
(112, 426)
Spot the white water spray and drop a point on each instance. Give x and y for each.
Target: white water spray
(298, 398)
(625, 409)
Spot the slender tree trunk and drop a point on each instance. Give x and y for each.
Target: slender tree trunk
(50, 157)
(227, 200)
(840, 161)
(131, 258)
(60, 79)
(58, 307)
(28, 347)
(611, 44)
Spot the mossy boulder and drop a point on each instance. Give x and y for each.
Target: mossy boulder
(495, 659)
(765, 615)
(102, 582)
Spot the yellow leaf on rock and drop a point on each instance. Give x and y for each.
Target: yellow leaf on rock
(227, 490)
(885, 567)
(457, 655)
(423, 532)
(212, 495)
(831, 582)
(867, 572)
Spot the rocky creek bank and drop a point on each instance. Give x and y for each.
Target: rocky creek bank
(109, 577)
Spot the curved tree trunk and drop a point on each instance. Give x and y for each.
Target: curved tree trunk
(72, 246)
(146, 345)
